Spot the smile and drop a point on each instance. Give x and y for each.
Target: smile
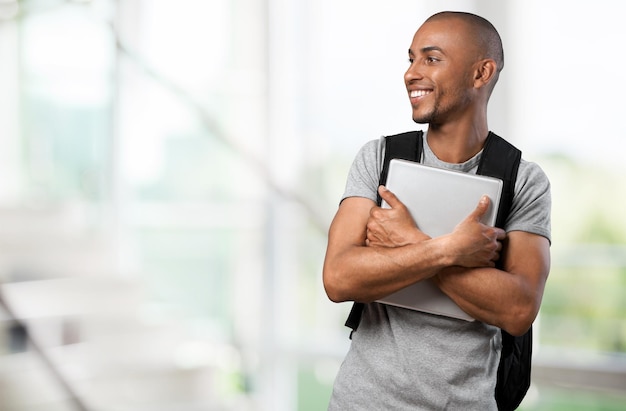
(419, 93)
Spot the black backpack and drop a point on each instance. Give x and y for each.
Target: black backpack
(500, 159)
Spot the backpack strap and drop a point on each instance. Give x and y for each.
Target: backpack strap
(500, 159)
(405, 146)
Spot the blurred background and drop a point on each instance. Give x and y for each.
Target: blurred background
(169, 169)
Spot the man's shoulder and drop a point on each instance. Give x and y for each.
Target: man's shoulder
(529, 170)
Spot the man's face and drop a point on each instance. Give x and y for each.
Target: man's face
(440, 76)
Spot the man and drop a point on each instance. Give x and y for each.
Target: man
(403, 359)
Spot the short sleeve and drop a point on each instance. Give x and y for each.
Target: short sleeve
(363, 177)
(532, 202)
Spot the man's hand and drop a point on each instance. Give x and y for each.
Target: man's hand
(474, 244)
(392, 227)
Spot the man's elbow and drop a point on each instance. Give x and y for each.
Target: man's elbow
(518, 329)
(331, 286)
(336, 285)
(520, 320)
(334, 295)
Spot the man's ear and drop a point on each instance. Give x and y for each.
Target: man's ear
(486, 71)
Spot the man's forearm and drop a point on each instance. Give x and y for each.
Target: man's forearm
(366, 274)
(490, 295)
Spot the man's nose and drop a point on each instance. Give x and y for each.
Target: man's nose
(413, 73)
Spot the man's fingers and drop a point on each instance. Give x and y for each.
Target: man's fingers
(389, 197)
(481, 209)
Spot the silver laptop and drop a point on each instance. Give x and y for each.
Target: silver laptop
(438, 200)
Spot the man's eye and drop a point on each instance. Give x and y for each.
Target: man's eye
(411, 60)
(431, 59)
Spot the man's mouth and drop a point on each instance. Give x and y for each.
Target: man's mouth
(419, 93)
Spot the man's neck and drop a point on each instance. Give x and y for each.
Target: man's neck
(456, 144)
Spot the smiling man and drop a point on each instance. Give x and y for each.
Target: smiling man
(402, 359)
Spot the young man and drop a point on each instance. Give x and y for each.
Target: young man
(403, 359)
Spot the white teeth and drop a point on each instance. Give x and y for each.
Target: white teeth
(419, 93)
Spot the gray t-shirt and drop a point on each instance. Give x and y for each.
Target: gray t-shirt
(402, 359)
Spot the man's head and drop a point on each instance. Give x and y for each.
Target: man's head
(482, 32)
(456, 59)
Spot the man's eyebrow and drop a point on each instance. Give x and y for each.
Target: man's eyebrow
(431, 48)
(426, 49)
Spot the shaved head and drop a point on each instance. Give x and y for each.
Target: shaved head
(484, 34)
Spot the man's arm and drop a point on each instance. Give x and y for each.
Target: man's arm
(360, 266)
(509, 299)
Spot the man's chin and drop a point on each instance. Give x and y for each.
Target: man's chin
(421, 120)
(421, 117)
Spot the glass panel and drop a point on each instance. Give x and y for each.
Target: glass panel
(66, 84)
